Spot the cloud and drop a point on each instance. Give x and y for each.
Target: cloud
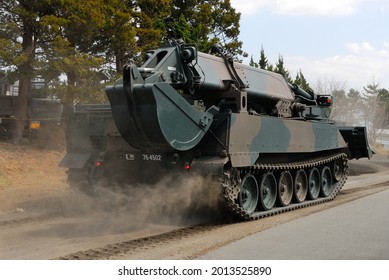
(249, 7)
(358, 48)
(317, 7)
(357, 67)
(299, 7)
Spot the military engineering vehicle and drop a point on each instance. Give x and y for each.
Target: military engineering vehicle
(269, 145)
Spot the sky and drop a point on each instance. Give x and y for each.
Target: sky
(342, 41)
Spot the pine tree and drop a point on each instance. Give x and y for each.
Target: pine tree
(263, 62)
(20, 35)
(252, 63)
(280, 68)
(302, 82)
(209, 23)
(73, 48)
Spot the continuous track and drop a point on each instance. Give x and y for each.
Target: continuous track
(231, 184)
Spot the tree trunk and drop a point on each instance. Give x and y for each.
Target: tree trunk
(119, 62)
(26, 74)
(71, 87)
(21, 110)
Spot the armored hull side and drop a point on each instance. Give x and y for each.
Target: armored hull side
(252, 138)
(268, 165)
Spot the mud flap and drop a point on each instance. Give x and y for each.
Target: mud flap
(75, 160)
(209, 165)
(356, 139)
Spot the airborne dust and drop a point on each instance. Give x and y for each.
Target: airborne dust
(173, 201)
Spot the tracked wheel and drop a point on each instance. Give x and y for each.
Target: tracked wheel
(285, 188)
(300, 186)
(238, 191)
(314, 183)
(326, 186)
(268, 191)
(248, 195)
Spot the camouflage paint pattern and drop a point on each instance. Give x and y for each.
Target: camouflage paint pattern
(251, 136)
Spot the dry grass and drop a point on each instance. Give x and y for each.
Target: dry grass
(25, 165)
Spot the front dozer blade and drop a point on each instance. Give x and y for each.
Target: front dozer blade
(356, 139)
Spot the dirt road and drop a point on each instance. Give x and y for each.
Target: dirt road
(47, 220)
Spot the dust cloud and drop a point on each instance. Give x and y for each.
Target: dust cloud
(174, 201)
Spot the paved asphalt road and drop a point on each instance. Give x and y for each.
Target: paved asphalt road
(356, 230)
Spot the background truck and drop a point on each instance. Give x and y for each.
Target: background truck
(42, 110)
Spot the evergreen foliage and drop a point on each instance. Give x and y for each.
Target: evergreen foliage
(77, 47)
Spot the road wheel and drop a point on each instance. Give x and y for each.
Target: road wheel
(248, 195)
(326, 186)
(300, 186)
(338, 169)
(314, 183)
(268, 191)
(285, 188)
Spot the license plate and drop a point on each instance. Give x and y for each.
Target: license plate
(152, 157)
